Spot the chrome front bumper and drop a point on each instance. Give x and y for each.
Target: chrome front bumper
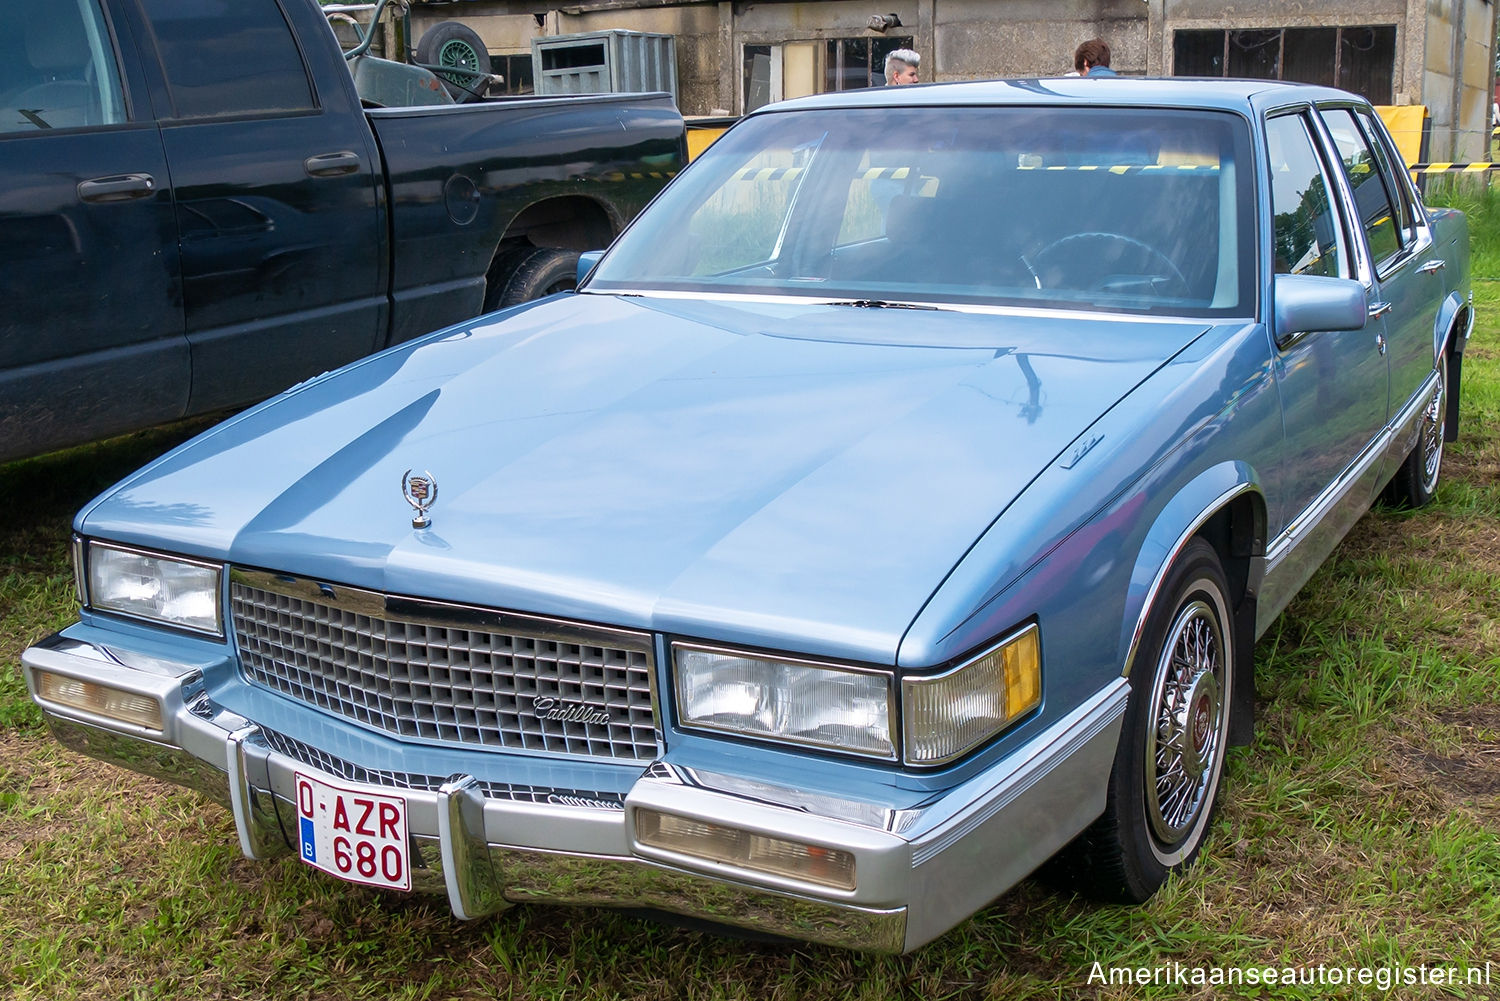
(921, 868)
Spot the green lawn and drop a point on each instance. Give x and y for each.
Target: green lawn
(1362, 829)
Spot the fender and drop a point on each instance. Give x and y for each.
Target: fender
(1455, 321)
(1233, 487)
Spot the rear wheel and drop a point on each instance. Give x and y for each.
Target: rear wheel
(1416, 481)
(523, 275)
(1171, 752)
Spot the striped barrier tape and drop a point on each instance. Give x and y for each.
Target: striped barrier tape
(1438, 168)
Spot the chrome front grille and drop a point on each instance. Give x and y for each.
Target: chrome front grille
(453, 674)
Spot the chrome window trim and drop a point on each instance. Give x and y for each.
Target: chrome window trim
(218, 568)
(893, 721)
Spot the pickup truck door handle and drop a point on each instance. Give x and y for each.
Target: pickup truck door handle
(331, 164)
(117, 188)
(1378, 309)
(1433, 266)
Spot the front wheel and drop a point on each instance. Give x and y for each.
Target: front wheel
(1171, 753)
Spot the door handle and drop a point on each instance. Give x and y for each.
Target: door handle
(1380, 343)
(1379, 309)
(117, 188)
(1433, 266)
(331, 164)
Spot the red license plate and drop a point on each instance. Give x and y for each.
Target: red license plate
(354, 834)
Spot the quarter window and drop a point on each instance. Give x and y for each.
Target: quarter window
(229, 57)
(1305, 231)
(58, 71)
(1378, 214)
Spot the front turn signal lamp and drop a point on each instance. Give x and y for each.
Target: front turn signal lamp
(100, 700)
(948, 715)
(832, 867)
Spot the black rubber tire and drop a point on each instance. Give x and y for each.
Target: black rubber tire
(521, 276)
(1416, 481)
(453, 43)
(1122, 857)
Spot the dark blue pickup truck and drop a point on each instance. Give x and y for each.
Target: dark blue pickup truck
(196, 210)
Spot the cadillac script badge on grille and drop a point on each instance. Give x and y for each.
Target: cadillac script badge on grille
(420, 493)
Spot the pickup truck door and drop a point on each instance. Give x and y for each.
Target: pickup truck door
(276, 184)
(1333, 384)
(91, 333)
(1408, 275)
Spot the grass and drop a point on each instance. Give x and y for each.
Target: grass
(1361, 829)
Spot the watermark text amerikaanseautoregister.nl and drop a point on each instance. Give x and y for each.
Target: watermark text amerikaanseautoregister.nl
(1382, 978)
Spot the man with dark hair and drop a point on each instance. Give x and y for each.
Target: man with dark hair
(901, 67)
(1092, 58)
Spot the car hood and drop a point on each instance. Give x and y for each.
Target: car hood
(792, 475)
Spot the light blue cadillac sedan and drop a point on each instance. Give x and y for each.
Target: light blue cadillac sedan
(893, 508)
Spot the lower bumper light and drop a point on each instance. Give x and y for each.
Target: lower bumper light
(101, 700)
(732, 846)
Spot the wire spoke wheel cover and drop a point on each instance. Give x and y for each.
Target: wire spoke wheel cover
(1433, 426)
(1185, 742)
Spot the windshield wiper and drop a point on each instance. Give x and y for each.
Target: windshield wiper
(881, 304)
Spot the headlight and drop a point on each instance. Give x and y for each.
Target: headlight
(948, 715)
(842, 709)
(144, 585)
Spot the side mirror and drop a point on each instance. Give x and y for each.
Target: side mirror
(1312, 302)
(586, 262)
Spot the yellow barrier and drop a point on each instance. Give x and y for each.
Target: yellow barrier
(1404, 122)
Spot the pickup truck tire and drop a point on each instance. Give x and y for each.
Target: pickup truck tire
(531, 275)
(453, 43)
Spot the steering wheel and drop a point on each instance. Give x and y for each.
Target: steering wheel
(1092, 266)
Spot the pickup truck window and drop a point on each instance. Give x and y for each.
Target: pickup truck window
(60, 72)
(1305, 232)
(1378, 215)
(229, 57)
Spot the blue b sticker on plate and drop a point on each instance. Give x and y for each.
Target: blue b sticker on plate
(309, 841)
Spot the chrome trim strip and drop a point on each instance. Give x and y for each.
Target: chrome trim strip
(1042, 756)
(1312, 515)
(1214, 507)
(956, 307)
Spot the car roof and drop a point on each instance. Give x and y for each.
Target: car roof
(1155, 92)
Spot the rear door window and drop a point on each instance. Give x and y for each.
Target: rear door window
(229, 57)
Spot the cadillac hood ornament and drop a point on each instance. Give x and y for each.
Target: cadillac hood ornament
(421, 493)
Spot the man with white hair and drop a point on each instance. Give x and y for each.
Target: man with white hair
(901, 67)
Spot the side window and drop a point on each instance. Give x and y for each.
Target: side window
(1305, 231)
(1378, 212)
(59, 70)
(742, 225)
(228, 57)
(1403, 190)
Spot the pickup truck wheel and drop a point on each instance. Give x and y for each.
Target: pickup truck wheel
(531, 275)
(1171, 752)
(1416, 481)
(456, 45)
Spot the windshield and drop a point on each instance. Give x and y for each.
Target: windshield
(1130, 210)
